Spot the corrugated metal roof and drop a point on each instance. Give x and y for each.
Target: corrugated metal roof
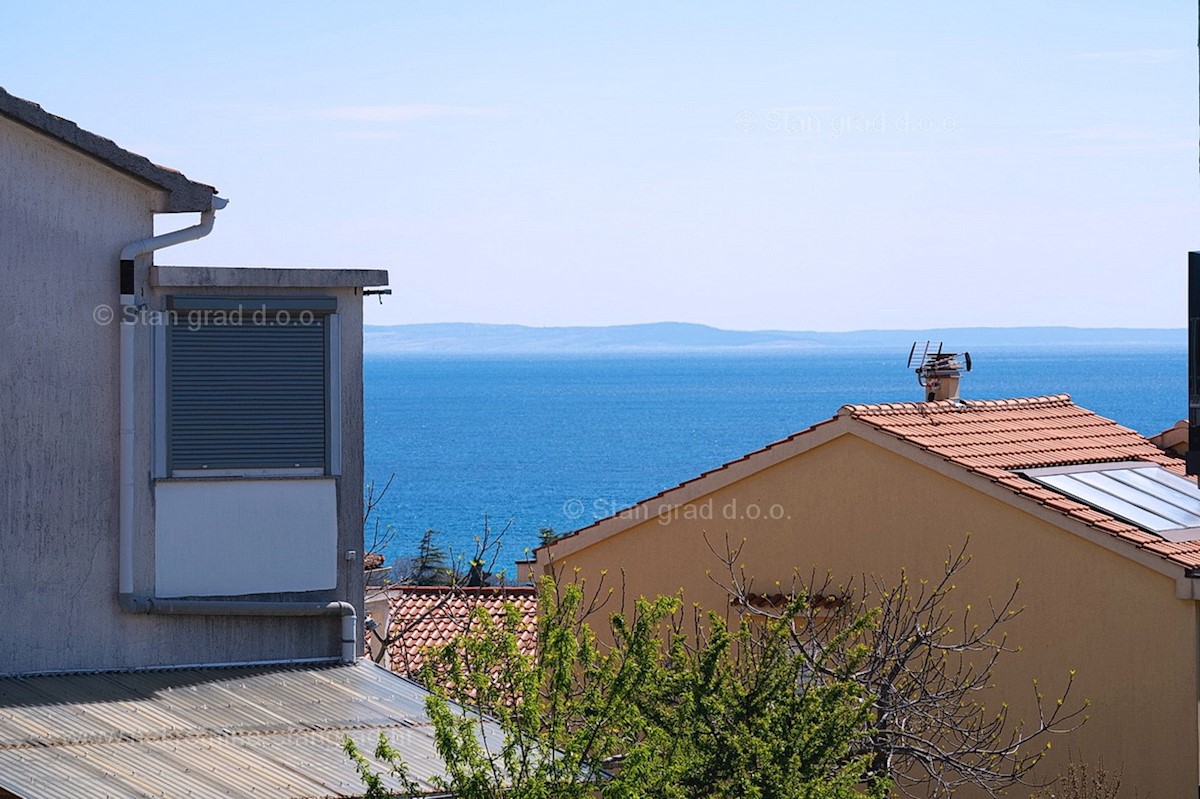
(246, 731)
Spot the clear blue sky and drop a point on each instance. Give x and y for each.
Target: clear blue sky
(794, 165)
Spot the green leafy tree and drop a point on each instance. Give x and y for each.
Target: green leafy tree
(708, 711)
(731, 714)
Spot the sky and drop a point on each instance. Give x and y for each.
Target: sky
(758, 165)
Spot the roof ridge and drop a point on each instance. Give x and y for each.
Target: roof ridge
(941, 406)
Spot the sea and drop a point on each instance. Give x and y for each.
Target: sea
(515, 444)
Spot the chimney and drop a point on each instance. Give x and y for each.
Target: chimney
(938, 372)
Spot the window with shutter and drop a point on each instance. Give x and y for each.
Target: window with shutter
(249, 387)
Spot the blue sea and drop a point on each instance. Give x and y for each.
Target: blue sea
(533, 442)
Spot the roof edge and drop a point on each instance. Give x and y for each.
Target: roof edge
(468, 591)
(183, 195)
(264, 277)
(856, 420)
(853, 412)
(295, 663)
(700, 485)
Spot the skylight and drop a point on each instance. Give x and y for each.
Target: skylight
(1143, 494)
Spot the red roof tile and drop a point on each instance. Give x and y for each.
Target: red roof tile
(994, 437)
(424, 618)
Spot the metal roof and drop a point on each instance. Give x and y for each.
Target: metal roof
(1143, 494)
(244, 731)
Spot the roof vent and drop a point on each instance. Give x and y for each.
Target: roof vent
(938, 372)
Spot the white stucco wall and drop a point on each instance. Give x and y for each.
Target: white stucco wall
(64, 218)
(234, 537)
(63, 221)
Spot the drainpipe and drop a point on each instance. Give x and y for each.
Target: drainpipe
(129, 312)
(351, 646)
(133, 603)
(124, 319)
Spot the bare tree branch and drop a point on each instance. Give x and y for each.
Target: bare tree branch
(928, 668)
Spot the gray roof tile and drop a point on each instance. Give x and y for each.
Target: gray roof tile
(183, 195)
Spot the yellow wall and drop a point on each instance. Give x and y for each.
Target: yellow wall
(853, 507)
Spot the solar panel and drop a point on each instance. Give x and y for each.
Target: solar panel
(1144, 494)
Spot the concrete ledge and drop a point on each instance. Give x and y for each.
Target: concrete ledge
(259, 277)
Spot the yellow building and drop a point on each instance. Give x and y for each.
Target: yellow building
(1051, 495)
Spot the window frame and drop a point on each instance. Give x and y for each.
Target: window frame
(177, 307)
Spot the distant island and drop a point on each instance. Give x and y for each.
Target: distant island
(678, 337)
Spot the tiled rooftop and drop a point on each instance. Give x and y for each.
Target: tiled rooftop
(424, 618)
(994, 437)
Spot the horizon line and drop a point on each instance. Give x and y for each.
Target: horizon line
(783, 330)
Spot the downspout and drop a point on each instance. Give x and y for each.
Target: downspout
(128, 600)
(125, 369)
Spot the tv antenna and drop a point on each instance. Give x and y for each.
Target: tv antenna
(938, 371)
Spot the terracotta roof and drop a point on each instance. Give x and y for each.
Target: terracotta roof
(989, 438)
(994, 437)
(182, 194)
(1174, 439)
(424, 618)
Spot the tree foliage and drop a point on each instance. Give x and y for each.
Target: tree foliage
(431, 565)
(929, 669)
(670, 710)
(825, 691)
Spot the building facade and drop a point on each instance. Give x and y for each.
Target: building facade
(881, 489)
(180, 486)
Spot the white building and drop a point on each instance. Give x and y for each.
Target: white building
(181, 490)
